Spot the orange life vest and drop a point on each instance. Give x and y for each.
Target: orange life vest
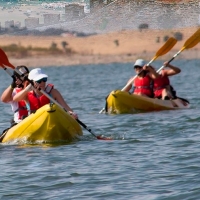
(143, 85)
(37, 102)
(22, 109)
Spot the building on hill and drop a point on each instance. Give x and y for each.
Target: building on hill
(31, 22)
(51, 19)
(74, 12)
(9, 24)
(97, 4)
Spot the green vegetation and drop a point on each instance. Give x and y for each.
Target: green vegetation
(178, 36)
(21, 51)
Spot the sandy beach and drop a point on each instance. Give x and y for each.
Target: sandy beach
(123, 46)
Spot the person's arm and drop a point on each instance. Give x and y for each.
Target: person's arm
(22, 95)
(127, 88)
(7, 94)
(172, 71)
(58, 97)
(152, 72)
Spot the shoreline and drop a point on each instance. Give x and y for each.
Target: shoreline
(115, 47)
(60, 61)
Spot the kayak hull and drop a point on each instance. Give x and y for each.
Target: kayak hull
(48, 124)
(120, 102)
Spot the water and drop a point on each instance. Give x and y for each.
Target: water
(153, 156)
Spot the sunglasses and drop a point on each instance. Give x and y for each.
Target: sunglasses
(42, 80)
(137, 67)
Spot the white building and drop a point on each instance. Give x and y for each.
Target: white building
(31, 22)
(51, 19)
(9, 24)
(74, 11)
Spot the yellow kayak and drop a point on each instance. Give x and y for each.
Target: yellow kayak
(120, 102)
(48, 124)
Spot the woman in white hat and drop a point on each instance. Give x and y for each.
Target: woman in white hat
(35, 99)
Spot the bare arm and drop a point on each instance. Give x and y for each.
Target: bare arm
(58, 97)
(128, 88)
(172, 71)
(7, 95)
(22, 95)
(152, 72)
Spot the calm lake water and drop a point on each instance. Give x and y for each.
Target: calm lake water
(154, 156)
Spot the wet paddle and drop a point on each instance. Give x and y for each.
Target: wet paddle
(4, 61)
(162, 51)
(189, 43)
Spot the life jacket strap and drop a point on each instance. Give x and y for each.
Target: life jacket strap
(21, 108)
(142, 87)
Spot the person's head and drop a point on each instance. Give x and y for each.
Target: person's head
(39, 77)
(24, 73)
(138, 65)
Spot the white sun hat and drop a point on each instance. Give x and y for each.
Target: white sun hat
(36, 74)
(139, 62)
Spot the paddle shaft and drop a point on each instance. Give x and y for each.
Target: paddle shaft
(53, 100)
(189, 43)
(170, 60)
(163, 50)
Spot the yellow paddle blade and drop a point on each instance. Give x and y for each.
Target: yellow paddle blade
(193, 40)
(164, 49)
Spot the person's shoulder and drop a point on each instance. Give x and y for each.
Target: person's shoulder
(54, 91)
(164, 72)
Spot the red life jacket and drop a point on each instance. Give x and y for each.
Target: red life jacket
(143, 85)
(22, 109)
(161, 82)
(37, 102)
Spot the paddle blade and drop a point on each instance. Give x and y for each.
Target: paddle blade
(101, 137)
(166, 47)
(4, 59)
(193, 40)
(2, 65)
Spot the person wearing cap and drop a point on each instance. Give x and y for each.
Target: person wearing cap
(143, 81)
(35, 98)
(162, 88)
(19, 108)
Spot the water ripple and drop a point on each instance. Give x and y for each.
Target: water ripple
(152, 156)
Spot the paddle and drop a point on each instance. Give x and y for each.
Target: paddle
(163, 50)
(4, 61)
(190, 42)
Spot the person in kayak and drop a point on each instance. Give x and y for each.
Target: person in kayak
(35, 99)
(18, 84)
(162, 88)
(143, 82)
